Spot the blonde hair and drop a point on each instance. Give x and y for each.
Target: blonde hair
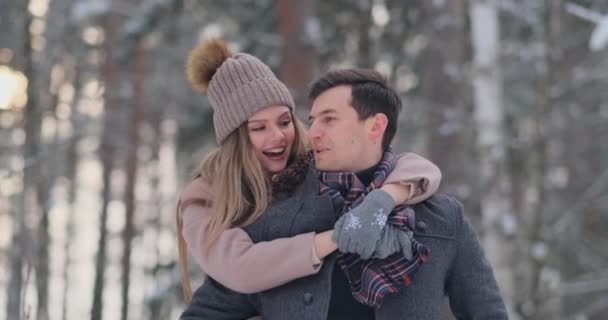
(241, 189)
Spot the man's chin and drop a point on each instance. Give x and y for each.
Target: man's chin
(320, 166)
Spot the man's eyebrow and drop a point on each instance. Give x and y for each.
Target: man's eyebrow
(324, 112)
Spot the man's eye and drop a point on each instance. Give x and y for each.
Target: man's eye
(328, 120)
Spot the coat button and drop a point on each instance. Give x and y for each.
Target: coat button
(421, 225)
(308, 298)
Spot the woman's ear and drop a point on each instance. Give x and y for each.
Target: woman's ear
(378, 124)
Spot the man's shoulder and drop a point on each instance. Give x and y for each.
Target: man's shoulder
(443, 203)
(440, 214)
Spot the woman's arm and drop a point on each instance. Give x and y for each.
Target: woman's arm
(235, 261)
(323, 246)
(413, 180)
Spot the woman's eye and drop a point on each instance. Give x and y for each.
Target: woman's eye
(285, 123)
(257, 129)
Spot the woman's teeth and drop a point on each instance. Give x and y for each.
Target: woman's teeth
(275, 151)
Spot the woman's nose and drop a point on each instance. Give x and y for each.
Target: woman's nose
(277, 133)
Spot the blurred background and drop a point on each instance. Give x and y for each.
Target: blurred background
(99, 131)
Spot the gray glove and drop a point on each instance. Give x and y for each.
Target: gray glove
(393, 240)
(359, 230)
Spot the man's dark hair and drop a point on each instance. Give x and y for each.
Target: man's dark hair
(370, 95)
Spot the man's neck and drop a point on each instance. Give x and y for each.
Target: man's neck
(366, 176)
(368, 162)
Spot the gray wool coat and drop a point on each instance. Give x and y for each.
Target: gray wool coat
(456, 270)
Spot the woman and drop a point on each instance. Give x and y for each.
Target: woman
(261, 159)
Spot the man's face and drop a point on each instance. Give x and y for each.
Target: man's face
(340, 140)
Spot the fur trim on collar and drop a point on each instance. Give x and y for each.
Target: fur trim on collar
(291, 177)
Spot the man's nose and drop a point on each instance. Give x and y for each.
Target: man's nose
(314, 132)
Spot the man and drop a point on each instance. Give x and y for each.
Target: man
(352, 123)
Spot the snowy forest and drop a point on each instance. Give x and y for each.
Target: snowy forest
(100, 130)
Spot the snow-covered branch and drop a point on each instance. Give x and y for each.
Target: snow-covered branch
(599, 36)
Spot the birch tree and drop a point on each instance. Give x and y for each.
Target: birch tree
(110, 78)
(498, 221)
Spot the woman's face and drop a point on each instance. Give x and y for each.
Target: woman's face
(271, 132)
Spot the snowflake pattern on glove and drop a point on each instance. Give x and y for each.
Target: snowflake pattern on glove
(352, 223)
(379, 218)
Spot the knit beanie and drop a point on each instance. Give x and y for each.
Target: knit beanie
(238, 85)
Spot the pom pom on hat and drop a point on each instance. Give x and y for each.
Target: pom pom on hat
(203, 62)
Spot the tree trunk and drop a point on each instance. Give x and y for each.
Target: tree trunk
(107, 150)
(442, 86)
(497, 215)
(21, 243)
(55, 28)
(550, 31)
(364, 24)
(71, 174)
(72, 165)
(297, 68)
(137, 118)
(13, 17)
(42, 264)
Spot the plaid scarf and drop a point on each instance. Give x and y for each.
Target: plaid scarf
(371, 279)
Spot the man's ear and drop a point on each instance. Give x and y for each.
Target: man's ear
(378, 124)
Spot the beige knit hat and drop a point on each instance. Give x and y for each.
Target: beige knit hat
(238, 85)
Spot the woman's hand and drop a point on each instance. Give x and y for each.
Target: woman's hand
(399, 192)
